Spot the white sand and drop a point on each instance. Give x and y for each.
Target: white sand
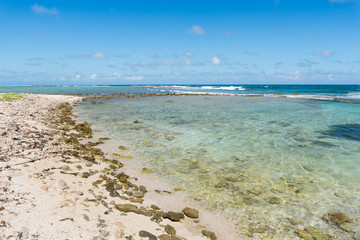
(38, 204)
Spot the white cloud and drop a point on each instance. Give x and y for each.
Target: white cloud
(188, 62)
(215, 61)
(43, 10)
(134, 78)
(325, 53)
(77, 76)
(117, 75)
(196, 29)
(99, 55)
(93, 76)
(330, 77)
(189, 54)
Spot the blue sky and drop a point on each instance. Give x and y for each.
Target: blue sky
(179, 42)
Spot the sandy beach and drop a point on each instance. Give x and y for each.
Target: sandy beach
(59, 182)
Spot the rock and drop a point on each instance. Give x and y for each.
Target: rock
(174, 216)
(209, 234)
(62, 185)
(86, 217)
(123, 148)
(147, 234)
(155, 207)
(317, 234)
(295, 222)
(274, 200)
(190, 212)
(143, 188)
(66, 168)
(170, 230)
(164, 237)
(137, 121)
(233, 179)
(221, 185)
(336, 218)
(138, 194)
(254, 191)
(126, 208)
(345, 227)
(303, 234)
(85, 175)
(146, 170)
(176, 189)
(257, 230)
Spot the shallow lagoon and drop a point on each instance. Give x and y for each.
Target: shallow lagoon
(257, 160)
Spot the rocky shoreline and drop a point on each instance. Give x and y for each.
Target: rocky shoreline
(58, 183)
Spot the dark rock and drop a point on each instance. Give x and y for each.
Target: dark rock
(170, 230)
(336, 218)
(190, 212)
(86, 174)
(174, 216)
(147, 234)
(209, 234)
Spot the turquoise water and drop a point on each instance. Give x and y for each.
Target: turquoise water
(256, 160)
(325, 92)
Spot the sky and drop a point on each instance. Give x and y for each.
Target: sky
(78, 42)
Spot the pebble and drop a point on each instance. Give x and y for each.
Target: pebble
(190, 212)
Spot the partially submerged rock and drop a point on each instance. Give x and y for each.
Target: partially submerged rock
(317, 234)
(336, 218)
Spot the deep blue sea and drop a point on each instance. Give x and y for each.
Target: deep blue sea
(257, 154)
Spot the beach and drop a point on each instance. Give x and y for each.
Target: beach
(58, 183)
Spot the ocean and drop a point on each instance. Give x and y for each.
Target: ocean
(257, 154)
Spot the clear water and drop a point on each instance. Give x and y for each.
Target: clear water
(235, 153)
